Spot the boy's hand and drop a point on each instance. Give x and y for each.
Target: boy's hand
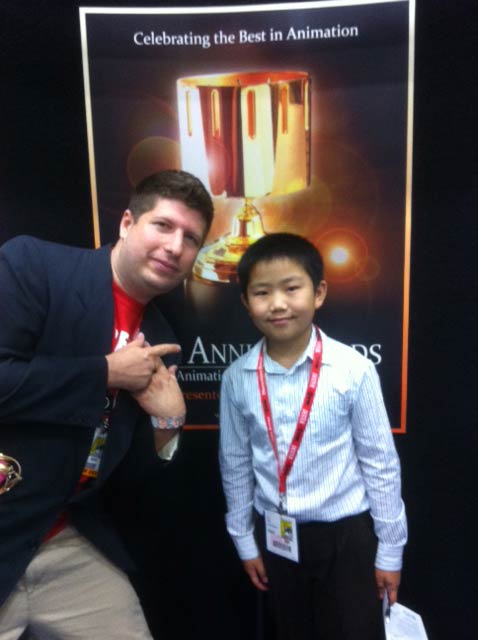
(257, 573)
(388, 581)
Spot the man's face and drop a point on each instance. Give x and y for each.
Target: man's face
(157, 252)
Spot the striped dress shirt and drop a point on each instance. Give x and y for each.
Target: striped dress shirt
(346, 464)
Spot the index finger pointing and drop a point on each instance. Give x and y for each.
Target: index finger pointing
(163, 349)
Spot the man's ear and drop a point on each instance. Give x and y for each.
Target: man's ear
(127, 221)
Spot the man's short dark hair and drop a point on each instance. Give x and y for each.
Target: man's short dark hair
(281, 245)
(173, 185)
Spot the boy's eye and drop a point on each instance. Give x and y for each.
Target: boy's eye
(259, 292)
(293, 287)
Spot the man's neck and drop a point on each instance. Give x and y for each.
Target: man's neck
(122, 282)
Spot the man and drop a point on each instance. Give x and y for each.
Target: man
(70, 338)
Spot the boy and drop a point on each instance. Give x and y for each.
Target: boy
(309, 468)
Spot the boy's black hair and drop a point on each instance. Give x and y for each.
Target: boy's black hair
(281, 245)
(174, 185)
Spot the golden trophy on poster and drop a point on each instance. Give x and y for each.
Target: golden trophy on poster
(245, 135)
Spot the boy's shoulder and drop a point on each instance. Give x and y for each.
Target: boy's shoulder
(248, 361)
(339, 354)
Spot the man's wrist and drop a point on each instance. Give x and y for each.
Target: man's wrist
(174, 422)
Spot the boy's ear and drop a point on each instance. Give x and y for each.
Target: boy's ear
(244, 301)
(320, 294)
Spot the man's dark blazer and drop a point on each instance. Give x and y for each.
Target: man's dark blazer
(56, 322)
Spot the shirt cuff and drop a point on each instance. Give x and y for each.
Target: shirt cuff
(246, 546)
(389, 557)
(168, 450)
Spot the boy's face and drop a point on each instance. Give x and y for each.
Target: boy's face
(281, 301)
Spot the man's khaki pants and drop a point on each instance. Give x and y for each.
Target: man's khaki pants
(70, 591)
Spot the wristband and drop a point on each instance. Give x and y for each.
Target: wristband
(168, 423)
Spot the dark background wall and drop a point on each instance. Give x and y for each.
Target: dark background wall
(192, 584)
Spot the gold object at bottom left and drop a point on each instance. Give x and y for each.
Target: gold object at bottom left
(10, 473)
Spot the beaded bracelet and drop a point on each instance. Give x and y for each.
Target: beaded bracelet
(168, 423)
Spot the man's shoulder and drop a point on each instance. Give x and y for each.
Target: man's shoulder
(31, 246)
(23, 244)
(26, 242)
(29, 252)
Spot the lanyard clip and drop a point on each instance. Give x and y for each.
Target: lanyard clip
(282, 503)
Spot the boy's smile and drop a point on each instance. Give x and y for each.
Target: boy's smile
(281, 301)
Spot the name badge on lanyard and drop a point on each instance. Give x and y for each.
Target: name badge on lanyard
(281, 529)
(92, 465)
(281, 535)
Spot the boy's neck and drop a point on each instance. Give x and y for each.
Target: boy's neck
(287, 353)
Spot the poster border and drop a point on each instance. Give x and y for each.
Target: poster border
(289, 6)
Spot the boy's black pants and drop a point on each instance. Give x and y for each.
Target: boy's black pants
(331, 593)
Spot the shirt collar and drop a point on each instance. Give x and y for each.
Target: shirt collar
(270, 366)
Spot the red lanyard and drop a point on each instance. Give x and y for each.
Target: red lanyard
(303, 415)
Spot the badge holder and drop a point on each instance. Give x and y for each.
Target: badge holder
(281, 535)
